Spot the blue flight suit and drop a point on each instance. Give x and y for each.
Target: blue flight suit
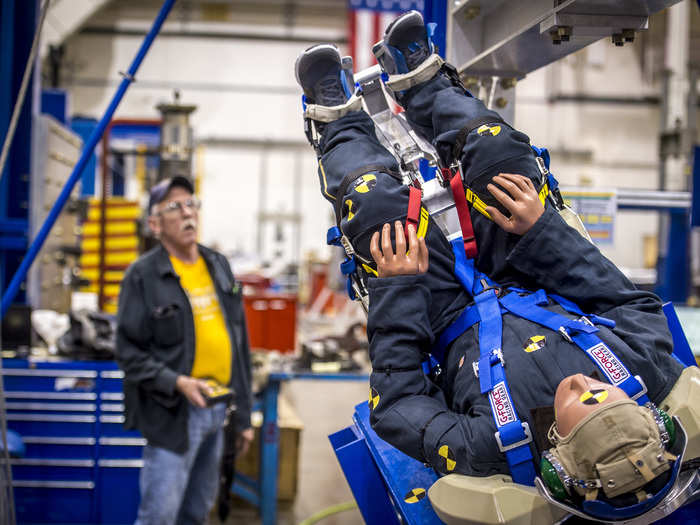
(420, 416)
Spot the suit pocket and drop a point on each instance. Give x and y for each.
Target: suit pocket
(167, 325)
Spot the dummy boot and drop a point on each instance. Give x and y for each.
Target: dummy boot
(328, 84)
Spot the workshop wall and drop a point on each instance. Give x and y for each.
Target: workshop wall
(570, 107)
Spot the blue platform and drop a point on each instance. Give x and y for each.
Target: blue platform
(392, 483)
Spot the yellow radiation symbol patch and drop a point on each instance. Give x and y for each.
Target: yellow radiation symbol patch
(450, 463)
(461, 361)
(593, 397)
(534, 343)
(348, 203)
(488, 130)
(370, 270)
(414, 495)
(365, 183)
(373, 398)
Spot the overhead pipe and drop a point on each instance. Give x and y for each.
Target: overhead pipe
(39, 240)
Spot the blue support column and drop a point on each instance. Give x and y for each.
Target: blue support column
(435, 11)
(674, 270)
(269, 454)
(695, 194)
(17, 27)
(84, 127)
(7, 47)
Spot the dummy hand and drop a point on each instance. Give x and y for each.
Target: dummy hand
(403, 262)
(243, 440)
(523, 203)
(192, 389)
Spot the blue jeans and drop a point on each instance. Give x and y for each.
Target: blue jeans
(181, 488)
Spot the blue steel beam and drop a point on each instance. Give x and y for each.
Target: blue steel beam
(17, 25)
(436, 11)
(7, 40)
(21, 273)
(695, 194)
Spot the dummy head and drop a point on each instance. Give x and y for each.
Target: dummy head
(578, 396)
(605, 444)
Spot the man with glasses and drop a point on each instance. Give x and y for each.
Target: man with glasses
(183, 346)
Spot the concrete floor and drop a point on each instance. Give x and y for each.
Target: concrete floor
(324, 407)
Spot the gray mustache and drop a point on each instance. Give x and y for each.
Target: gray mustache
(189, 222)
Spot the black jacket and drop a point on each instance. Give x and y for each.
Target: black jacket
(407, 313)
(418, 416)
(156, 344)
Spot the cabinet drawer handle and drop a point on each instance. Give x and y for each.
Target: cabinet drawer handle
(44, 372)
(120, 463)
(42, 484)
(53, 462)
(56, 418)
(54, 407)
(63, 396)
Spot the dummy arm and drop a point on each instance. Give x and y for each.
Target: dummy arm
(407, 409)
(557, 258)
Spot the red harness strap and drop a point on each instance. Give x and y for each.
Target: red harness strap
(413, 213)
(465, 220)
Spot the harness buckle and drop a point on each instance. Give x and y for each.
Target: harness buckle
(525, 441)
(475, 367)
(484, 284)
(642, 392)
(565, 334)
(542, 167)
(347, 246)
(586, 320)
(497, 353)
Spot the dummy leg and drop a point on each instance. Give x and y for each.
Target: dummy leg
(441, 113)
(350, 144)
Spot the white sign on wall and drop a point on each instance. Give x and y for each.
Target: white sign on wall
(597, 209)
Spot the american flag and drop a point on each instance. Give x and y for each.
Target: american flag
(367, 20)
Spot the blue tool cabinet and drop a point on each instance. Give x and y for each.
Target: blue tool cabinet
(80, 465)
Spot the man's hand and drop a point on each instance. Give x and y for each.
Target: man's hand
(192, 389)
(403, 262)
(523, 203)
(243, 440)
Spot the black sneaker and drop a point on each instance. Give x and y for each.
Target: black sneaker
(405, 45)
(319, 71)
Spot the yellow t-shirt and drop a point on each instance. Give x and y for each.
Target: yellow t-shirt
(212, 354)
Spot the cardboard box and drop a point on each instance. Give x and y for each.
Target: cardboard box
(290, 427)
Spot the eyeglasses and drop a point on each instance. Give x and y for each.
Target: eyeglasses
(193, 203)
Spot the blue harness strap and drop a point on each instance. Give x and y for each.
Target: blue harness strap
(584, 337)
(573, 308)
(464, 271)
(512, 435)
(468, 318)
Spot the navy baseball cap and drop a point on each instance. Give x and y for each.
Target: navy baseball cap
(160, 190)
